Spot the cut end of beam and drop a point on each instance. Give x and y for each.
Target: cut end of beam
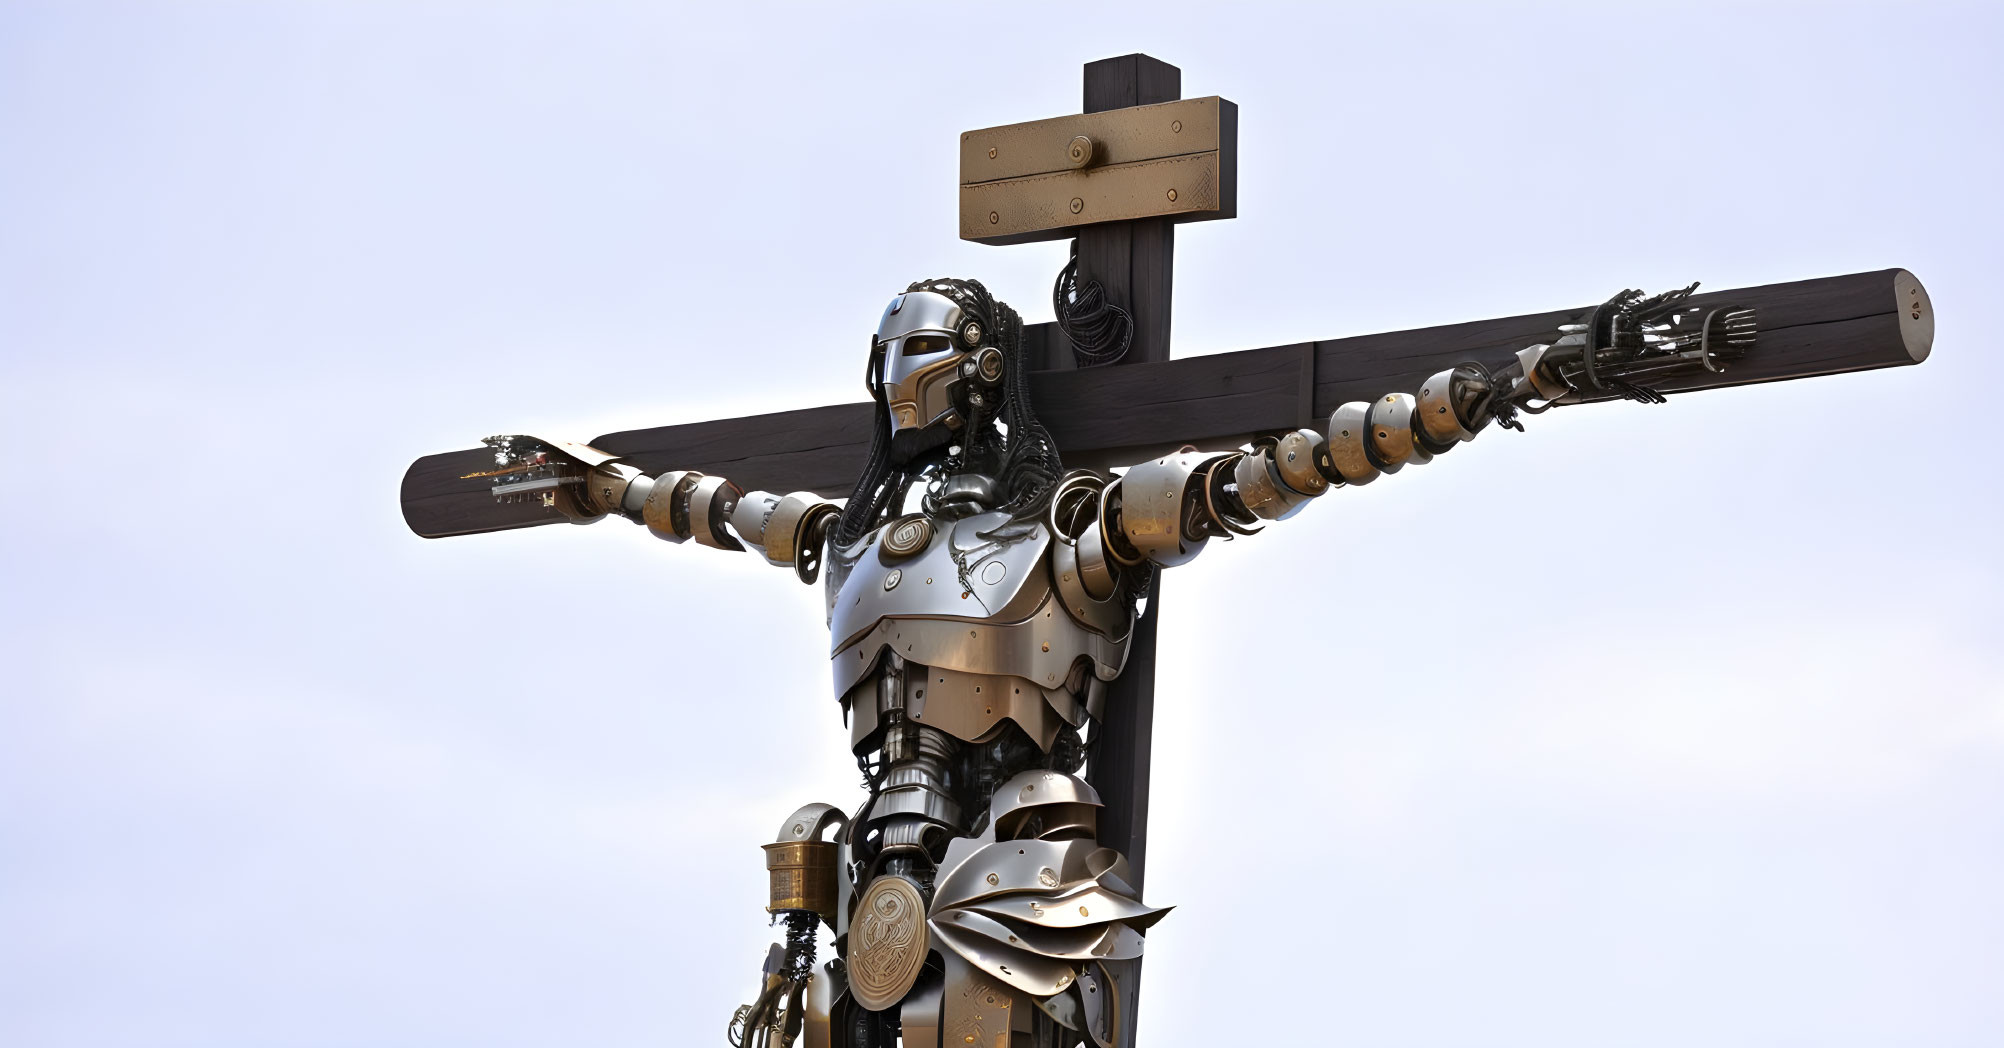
(1916, 315)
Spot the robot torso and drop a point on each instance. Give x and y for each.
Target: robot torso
(967, 623)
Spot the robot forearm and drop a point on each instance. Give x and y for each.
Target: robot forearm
(677, 505)
(1165, 510)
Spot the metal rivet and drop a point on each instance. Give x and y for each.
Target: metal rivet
(1078, 205)
(1175, 127)
(991, 152)
(1080, 151)
(993, 218)
(1172, 195)
(1047, 645)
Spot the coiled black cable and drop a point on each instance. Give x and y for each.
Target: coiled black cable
(1100, 332)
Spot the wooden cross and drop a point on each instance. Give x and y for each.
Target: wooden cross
(1149, 403)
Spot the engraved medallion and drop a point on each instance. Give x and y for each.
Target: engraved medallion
(904, 537)
(887, 942)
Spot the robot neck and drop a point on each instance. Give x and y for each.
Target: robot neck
(963, 495)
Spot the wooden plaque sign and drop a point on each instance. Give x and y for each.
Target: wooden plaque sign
(1044, 179)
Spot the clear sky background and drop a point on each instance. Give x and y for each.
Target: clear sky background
(274, 772)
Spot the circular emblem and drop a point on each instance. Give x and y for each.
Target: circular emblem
(887, 942)
(904, 537)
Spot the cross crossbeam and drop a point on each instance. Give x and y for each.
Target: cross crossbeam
(1111, 416)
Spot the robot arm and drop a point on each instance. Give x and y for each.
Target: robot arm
(586, 484)
(1163, 511)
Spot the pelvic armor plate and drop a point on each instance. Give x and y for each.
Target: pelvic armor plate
(887, 942)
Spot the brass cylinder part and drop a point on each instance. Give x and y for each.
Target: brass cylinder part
(802, 875)
(666, 511)
(1295, 458)
(1349, 442)
(1436, 412)
(1390, 431)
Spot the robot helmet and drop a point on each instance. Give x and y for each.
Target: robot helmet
(936, 359)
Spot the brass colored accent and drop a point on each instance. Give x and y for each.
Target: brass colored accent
(606, 485)
(1118, 136)
(666, 511)
(904, 537)
(1349, 444)
(920, 398)
(710, 505)
(1080, 153)
(1042, 179)
(888, 941)
(1108, 194)
(786, 530)
(976, 1009)
(1916, 315)
(1295, 457)
(802, 876)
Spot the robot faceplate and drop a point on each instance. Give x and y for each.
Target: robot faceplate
(921, 358)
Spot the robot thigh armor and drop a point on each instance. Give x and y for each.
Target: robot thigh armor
(1033, 911)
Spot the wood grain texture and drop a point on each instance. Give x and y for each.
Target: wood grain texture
(1109, 416)
(1136, 263)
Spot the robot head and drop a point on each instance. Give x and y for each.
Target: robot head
(938, 362)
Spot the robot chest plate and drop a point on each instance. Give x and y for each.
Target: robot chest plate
(919, 568)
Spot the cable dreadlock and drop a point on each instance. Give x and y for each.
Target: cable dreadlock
(879, 485)
(1025, 460)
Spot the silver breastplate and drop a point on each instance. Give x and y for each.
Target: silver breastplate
(983, 630)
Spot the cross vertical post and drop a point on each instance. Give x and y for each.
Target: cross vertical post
(1135, 263)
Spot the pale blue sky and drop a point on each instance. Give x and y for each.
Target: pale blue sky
(273, 772)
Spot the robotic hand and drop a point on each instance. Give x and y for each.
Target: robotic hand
(552, 472)
(779, 1013)
(1630, 338)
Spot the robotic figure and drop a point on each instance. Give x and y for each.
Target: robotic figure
(979, 600)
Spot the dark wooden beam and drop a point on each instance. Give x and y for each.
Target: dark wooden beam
(1113, 416)
(1133, 261)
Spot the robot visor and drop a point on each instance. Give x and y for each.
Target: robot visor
(919, 371)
